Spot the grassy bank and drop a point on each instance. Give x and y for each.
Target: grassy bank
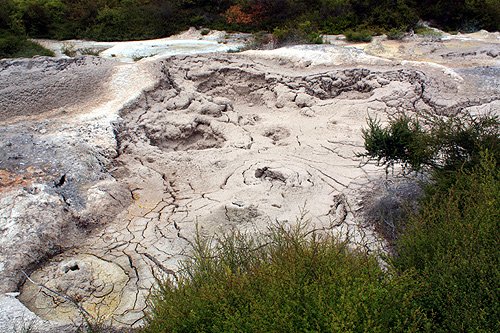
(17, 47)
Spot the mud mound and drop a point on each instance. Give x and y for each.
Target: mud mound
(196, 107)
(30, 87)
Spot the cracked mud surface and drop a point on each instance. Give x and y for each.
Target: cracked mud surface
(210, 142)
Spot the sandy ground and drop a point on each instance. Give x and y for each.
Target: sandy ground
(131, 158)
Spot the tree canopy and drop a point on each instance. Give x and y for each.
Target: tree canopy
(143, 19)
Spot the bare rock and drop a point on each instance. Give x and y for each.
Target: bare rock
(212, 109)
(15, 317)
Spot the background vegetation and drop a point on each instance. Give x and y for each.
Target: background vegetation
(105, 20)
(442, 275)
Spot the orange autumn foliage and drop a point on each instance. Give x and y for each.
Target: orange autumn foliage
(251, 15)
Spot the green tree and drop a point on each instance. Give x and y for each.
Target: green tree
(11, 30)
(437, 143)
(41, 18)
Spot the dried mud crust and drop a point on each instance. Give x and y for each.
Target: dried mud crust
(232, 141)
(54, 191)
(181, 112)
(42, 215)
(31, 87)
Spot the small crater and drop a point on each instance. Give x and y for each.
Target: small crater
(61, 181)
(71, 266)
(277, 133)
(266, 173)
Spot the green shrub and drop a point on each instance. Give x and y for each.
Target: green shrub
(454, 245)
(427, 32)
(453, 239)
(30, 48)
(238, 50)
(89, 51)
(364, 36)
(303, 33)
(470, 26)
(401, 141)
(68, 49)
(259, 40)
(287, 280)
(18, 47)
(310, 33)
(139, 57)
(395, 34)
(9, 45)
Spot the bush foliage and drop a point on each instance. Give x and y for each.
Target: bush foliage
(304, 33)
(145, 19)
(359, 36)
(288, 280)
(454, 245)
(439, 143)
(453, 241)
